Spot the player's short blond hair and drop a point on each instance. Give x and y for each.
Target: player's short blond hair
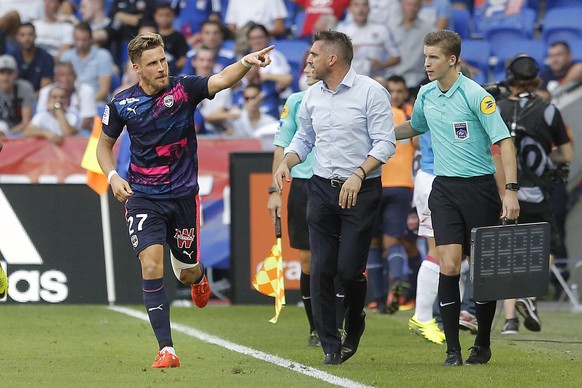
(141, 43)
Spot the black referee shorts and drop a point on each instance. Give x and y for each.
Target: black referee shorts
(458, 205)
(297, 214)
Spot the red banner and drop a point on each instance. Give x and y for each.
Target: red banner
(34, 158)
(29, 160)
(213, 157)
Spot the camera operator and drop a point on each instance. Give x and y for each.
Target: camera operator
(498, 90)
(543, 154)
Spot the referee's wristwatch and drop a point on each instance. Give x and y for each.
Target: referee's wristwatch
(272, 189)
(512, 186)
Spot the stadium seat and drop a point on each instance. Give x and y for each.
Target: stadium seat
(115, 81)
(504, 50)
(292, 9)
(490, 16)
(229, 44)
(516, 27)
(294, 50)
(551, 4)
(576, 47)
(100, 110)
(463, 4)
(298, 24)
(460, 22)
(476, 53)
(107, 6)
(563, 34)
(562, 24)
(534, 4)
(223, 8)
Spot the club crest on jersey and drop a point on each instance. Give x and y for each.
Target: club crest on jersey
(169, 101)
(184, 237)
(461, 130)
(134, 241)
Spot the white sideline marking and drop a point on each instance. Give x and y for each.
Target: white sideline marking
(292, 365)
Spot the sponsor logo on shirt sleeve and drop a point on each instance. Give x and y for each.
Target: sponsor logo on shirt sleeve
(488, 105)
(105, 118)
(285, 112)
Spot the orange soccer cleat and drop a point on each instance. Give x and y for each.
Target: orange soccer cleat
(165, 359)
(201, 292)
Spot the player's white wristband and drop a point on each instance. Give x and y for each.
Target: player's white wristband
(245, 63)
(110, 175)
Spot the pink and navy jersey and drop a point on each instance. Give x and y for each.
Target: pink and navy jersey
(164, 158)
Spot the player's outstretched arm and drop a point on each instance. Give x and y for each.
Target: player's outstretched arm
(228, 77)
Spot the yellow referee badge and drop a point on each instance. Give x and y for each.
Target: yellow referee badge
(488, 105)
(285, 112)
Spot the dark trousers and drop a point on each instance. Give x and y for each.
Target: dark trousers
(340, 241)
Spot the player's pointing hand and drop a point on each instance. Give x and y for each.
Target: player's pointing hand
(260, 57)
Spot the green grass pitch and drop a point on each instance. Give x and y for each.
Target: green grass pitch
(93, 346)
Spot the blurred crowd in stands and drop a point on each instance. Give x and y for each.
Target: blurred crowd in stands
(80, 47)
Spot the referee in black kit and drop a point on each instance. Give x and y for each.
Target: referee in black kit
(348, 118)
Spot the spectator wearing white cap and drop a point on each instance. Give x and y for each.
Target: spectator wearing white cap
(16, 98)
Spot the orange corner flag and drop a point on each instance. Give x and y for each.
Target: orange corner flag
(95, 177)
(270, 279)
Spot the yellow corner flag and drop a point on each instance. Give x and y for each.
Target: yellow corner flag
(95, 177)
(270, 279)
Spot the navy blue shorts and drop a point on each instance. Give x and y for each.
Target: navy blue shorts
(394, 210)
(297, 214)
(173, 221)
(458, 205)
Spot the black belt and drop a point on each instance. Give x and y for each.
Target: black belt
(335, 182)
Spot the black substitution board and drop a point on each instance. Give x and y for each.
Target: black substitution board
(510, 261)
